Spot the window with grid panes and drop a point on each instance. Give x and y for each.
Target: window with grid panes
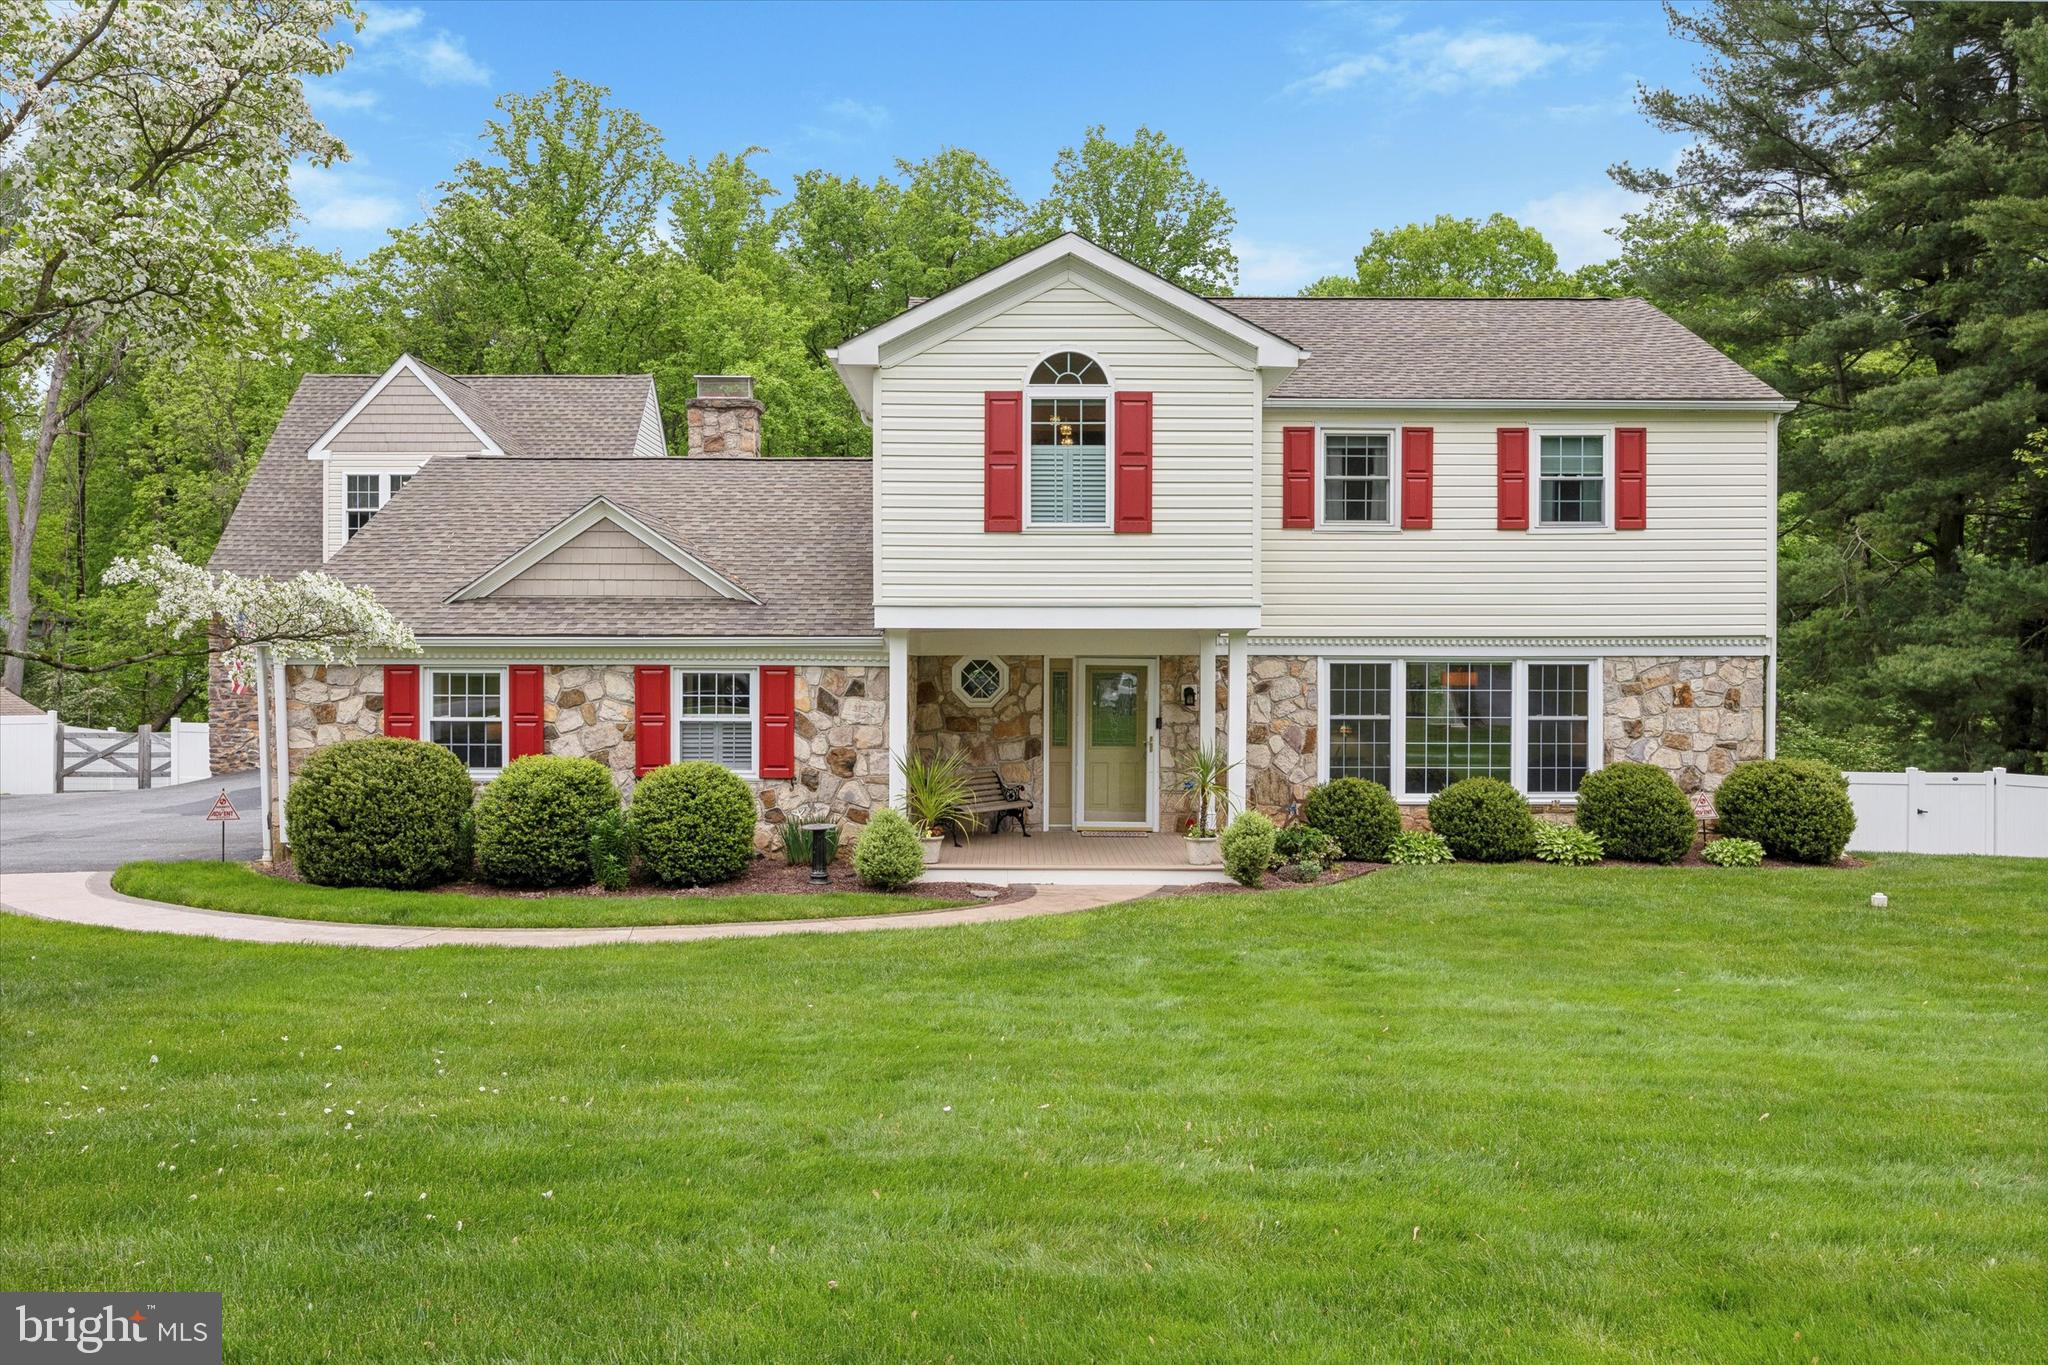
(715, 718)
(466, 716)
(1358, 478)
(1459, 723)
(1361, 721)
(1572, 480)
(1559, 716)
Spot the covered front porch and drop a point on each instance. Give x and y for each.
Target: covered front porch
(1068, 857)
(1093, 728)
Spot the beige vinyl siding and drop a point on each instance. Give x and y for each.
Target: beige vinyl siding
(1703, 565)
(930, 548)
(606, 561)
(405, 417)
(334, 492)
(648, 441)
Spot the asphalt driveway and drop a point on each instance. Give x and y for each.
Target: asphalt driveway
(97, 831)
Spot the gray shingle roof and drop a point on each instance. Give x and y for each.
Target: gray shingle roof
(794, 533)
(1543, 350)
(276, 526)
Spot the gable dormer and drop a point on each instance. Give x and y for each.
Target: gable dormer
(603, 551)
(412, 409)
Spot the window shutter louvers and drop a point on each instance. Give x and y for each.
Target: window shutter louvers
(1133, 462)
(1002, 462)
(1418, 478)
(1298, 478)
(402, 701)
(1511, 477)
(1631, 478)
(650, 718)
(529, 735)
(778, 722)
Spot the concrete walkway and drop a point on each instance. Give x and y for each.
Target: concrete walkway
(87, 898)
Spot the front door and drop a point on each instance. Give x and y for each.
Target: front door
(1116, 745)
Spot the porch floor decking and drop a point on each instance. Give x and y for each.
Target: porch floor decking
(1065, 850)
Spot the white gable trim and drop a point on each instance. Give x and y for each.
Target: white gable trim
(1269, 350)
(407, 364)
(596, 510)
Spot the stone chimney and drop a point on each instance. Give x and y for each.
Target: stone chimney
(724, 418)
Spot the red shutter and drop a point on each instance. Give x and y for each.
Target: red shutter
(650, 718)
(1418, 478)
(778, 722)
(1631, 478)
(1002, 462)
(402, 701)
(528, 734)
(1298, 478)
(1134, 462)
(1511, 477)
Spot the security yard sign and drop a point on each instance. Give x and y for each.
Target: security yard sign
(222, 812)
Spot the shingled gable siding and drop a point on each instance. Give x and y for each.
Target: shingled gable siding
(606, 561)
(406, 418)
(929, 460)
(1702, 566)
(841, 747)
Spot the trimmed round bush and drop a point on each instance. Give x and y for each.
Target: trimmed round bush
(1796, 808)
(1637, 812)
(380, 812)
(533, 822)
(1247, 848)
(888, 854)
(1484, 820)
(1419, 848)
(693, 823)
(1360, 815)
(1733, 853)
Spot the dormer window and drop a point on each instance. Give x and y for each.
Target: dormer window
(1068, 477)
(368, 492)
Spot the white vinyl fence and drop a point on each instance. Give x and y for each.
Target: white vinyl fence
(40, 754)
(1922, 812)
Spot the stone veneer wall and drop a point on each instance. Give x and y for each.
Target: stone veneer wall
(1008, 736)
(231, 732)
(841, 748)
(1281, 733)
(1694, 717)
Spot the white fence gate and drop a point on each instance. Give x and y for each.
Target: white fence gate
(40, 754)
(1922, 812)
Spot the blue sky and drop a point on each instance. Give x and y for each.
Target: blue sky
(1319, 121)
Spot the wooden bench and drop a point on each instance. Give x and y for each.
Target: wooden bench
(989, 796)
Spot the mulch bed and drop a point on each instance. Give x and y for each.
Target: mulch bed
(1342, 872)
(769, 876)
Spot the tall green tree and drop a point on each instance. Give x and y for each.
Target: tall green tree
(1860, 212)
(1451, 257)
(1140, 200)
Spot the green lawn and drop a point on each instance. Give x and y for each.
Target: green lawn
(1434, 1113)
(232, 886)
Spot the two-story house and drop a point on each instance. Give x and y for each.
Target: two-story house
(1106, 521)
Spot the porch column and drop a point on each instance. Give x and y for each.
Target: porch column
(1239, 702)
(1205, 692)
(899, 712)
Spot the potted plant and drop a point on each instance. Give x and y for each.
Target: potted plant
(935, 798)
(1206, 777)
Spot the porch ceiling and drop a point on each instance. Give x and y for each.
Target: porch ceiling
(1060, 643)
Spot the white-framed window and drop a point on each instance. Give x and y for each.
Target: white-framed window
(364, 494)
(1066, 475)
(466, 715)
(1356, 475)
(1574, 479)
(1417, 725)
(716, 717)
(980, 680)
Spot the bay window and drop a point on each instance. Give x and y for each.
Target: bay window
(715, 719)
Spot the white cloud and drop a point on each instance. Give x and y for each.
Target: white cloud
(395, 38)
(444, 60)
(340, 199)
(1441, 63)
(854, 111)
(1281, 267)
(846, 120)
(1577, 221)
(323, 96)
(381, 21)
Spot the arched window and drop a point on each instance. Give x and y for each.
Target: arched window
(1067, 483)
(1068, 368)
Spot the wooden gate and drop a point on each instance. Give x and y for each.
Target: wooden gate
(87, 759)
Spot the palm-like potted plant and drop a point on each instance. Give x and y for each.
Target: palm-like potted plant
(1206, 777)
(935, 798)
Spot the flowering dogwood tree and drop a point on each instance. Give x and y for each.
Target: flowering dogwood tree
(310, 618)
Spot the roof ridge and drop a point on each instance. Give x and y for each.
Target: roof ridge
(1224, 300)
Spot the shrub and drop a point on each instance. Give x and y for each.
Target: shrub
(1566, 845)
(1733, 853)
(1795, 808)
(693, 823)
(533, 821)
(1305, 844)
(1247, 847)
(1418, 847)
(380, 812)
(1484, 820)
(1637, 812)
(796, 843)
(611, 850)
(1359, 815)
(1307, 870)
(888, 853)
